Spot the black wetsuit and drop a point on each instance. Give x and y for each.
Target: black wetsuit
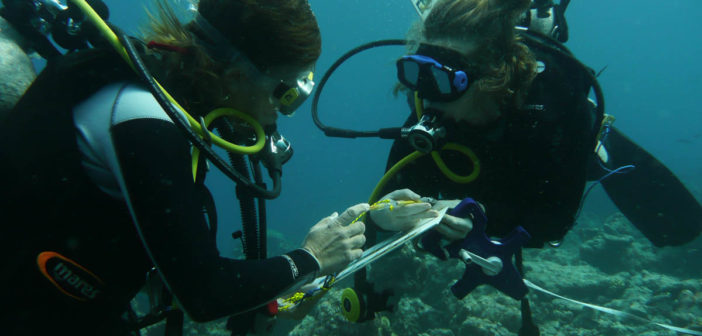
(116, 205)
(533, 159)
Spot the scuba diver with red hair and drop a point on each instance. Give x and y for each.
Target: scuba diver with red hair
(103, 170)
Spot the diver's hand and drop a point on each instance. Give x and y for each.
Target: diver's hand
(441, 204)
(405, 217)
(453, 228)
(335, 242)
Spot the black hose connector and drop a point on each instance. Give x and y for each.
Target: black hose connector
(390, 133)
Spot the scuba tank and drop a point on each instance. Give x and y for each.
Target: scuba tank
(548, 19)
(16, 67)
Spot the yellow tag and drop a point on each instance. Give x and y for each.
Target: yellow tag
(289, 96)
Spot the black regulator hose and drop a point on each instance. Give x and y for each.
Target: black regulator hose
(385, 133)
(249, 220)
(144, 74)
(262, 218)
(247, 203)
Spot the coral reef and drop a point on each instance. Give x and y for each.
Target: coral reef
(605, 263)
(16, 69)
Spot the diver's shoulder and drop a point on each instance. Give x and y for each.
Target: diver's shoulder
(118, 102)
(133, 101)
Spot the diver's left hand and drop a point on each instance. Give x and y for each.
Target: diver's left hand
(404, 217)
(451, 227)
(454, 228)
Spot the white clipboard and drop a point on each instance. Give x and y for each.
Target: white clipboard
(376, 252)
(379, 250)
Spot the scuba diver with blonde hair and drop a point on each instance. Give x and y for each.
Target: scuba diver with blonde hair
(501, 114)
(103, 170)
(520, 100)
(530, 151)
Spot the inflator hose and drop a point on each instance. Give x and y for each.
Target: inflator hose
(144, 74)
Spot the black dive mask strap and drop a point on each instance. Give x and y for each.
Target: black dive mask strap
(212, 40)
(445, 56)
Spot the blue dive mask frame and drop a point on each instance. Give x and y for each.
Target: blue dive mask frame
(432, 80)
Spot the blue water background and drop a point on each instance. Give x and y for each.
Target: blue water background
(651, 84)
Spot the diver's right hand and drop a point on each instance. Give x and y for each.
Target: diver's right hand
(335, 242)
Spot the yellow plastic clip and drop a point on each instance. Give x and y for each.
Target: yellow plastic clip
(290, 96)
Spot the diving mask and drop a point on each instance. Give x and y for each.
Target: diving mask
(290, 97)
(429, 75)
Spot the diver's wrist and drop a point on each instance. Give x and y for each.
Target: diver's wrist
(303, 263)
(319, 264)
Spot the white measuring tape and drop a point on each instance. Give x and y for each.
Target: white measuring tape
(614, 312)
